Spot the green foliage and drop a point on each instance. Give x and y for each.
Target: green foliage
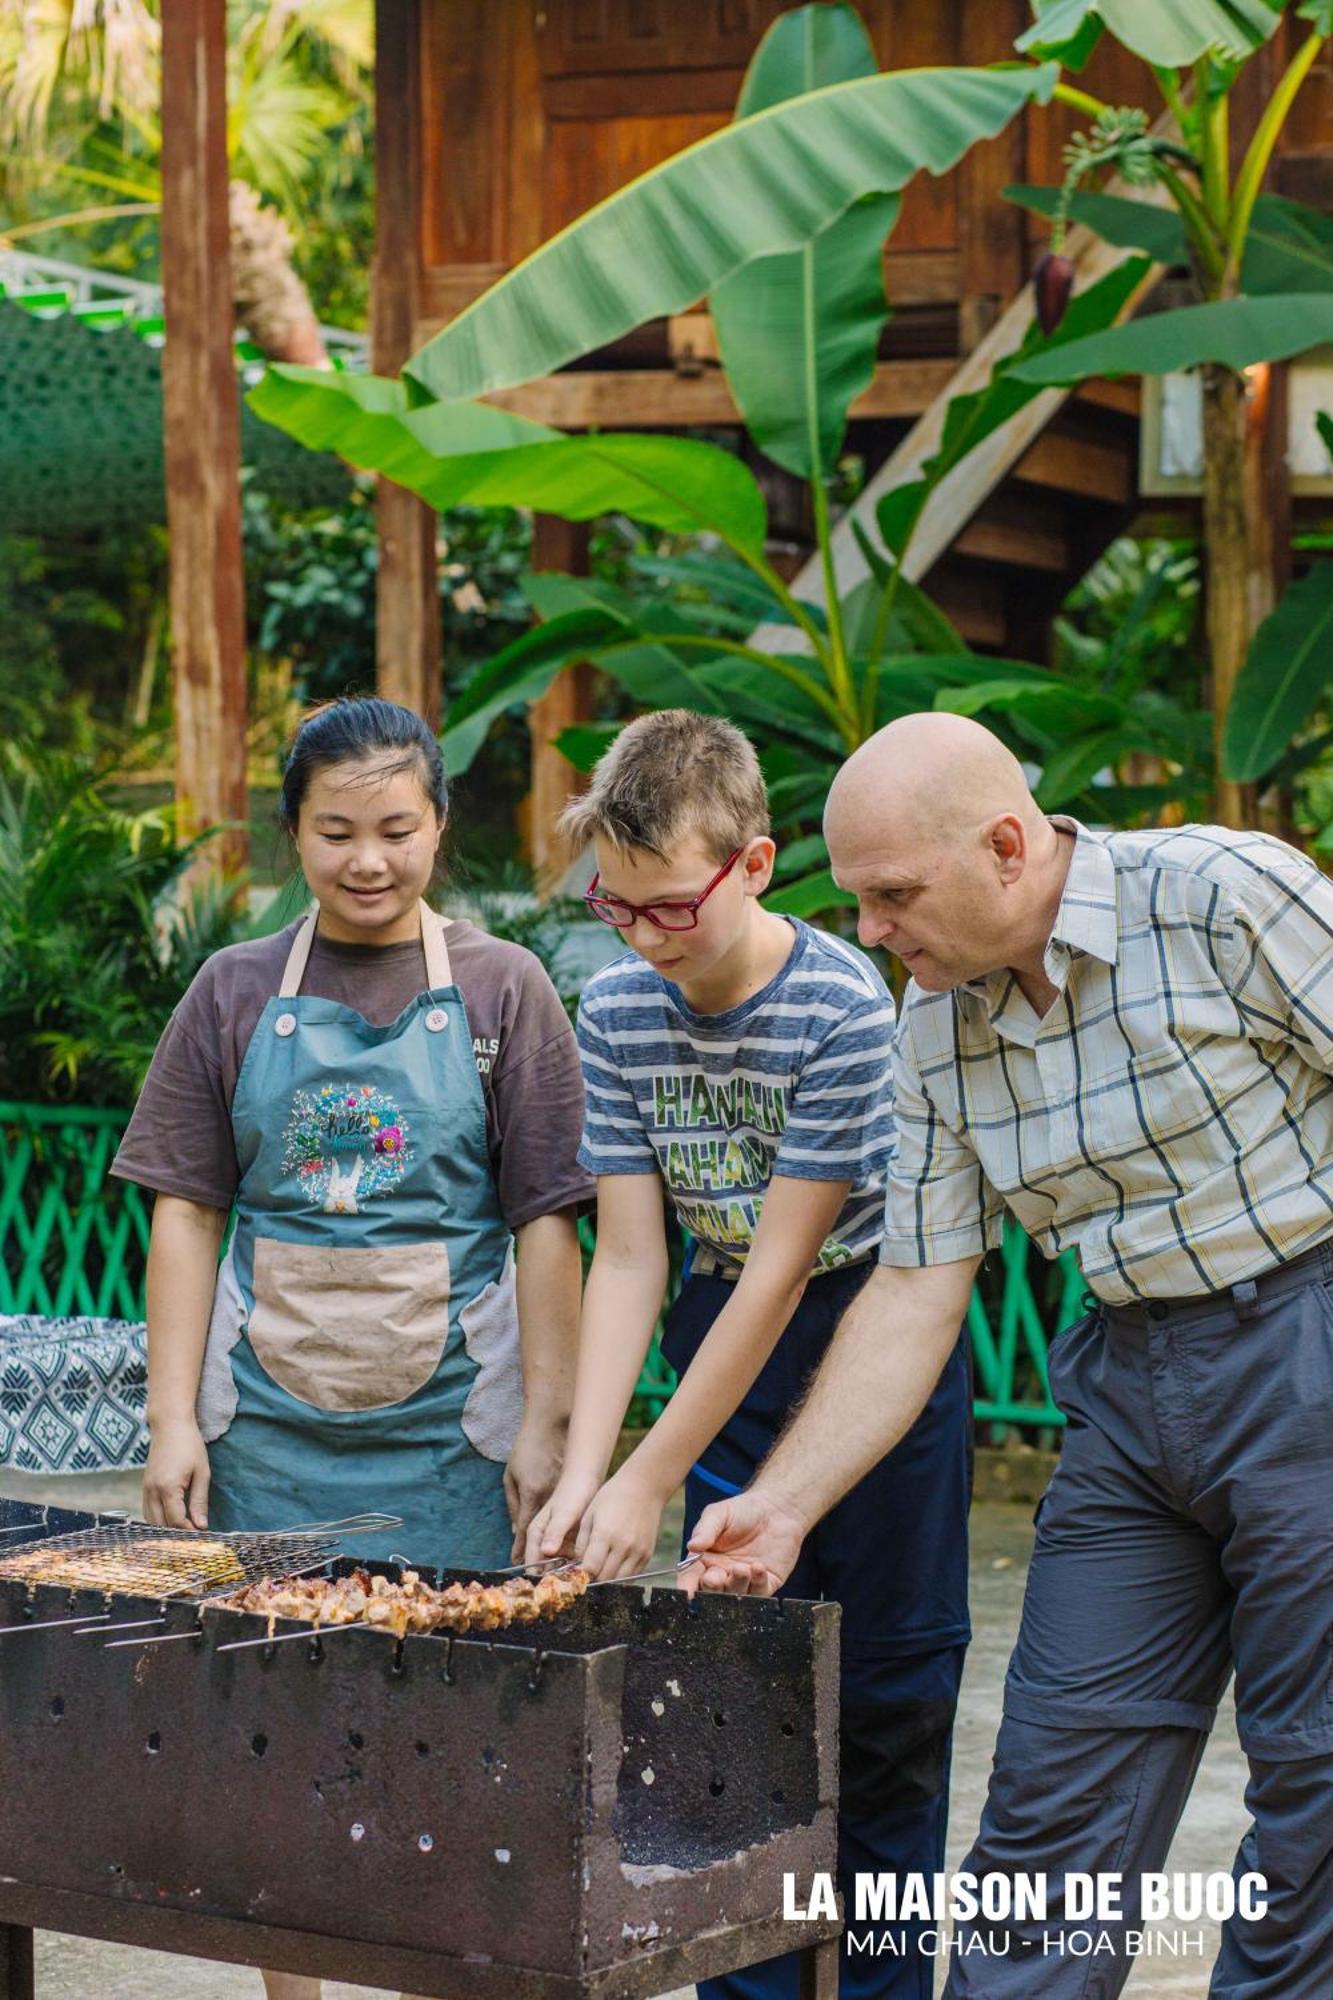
(95, 951)
(81, 141)
(75, 620)
(798, 333)
(310, 581)
(475, 454)
(1289, 246)
(1125, 685)
(1235, 332)
(1285, 677)
(1165, 32)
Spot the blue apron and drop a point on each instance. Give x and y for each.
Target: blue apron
(363, 1350)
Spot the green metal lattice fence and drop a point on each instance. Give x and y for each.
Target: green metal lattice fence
(74, 1241)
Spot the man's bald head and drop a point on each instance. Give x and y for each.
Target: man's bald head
(933, 828)
(926, 776)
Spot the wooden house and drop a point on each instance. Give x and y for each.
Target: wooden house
(499, 121)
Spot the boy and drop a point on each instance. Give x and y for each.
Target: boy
(741, 1060)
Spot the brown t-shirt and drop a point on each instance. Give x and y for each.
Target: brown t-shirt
(180, 1140)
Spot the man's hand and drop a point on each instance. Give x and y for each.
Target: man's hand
(553, 1529)
(620, 1529)
(532, 1472)
(747, 1545)
(175, 1479)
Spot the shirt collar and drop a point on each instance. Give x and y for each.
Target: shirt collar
(1086, 918)
(1085, 922)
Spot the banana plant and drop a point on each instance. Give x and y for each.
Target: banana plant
(1263, 269)
(780, 220)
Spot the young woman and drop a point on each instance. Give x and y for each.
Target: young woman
(388, 1103)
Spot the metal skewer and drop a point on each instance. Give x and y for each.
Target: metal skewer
(645, 1575)
(166, 1639)
(283, 1638)
(49, 1624)
(129, 1625)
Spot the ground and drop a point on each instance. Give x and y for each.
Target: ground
(77, 1969)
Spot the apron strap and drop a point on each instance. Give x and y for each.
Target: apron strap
(294, 971)
(438, 971)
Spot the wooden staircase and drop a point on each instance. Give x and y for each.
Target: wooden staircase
(1033, 536)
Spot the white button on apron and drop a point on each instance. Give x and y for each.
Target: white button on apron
(285, 1024)
(437, 1019)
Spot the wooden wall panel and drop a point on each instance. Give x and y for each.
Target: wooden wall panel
(613, 37)
(532, 110)
(465, 107)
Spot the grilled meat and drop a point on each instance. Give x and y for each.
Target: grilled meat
(411, 1605)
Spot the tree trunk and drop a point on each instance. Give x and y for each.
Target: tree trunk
(1229, 497)
(271, 302)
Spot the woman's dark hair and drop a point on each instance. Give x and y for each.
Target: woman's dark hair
(351, 730)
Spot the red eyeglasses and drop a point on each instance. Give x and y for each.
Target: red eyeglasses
(667, 916)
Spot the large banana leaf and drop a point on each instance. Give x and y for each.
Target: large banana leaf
(1289, 666)
(798, 333)
(1235, 332)
(1169, 33)
(452, 453)
(519, 672)
(1288, 247)
(972, 417)
(1116, 218)
(581, 620)
(765, 184)
(1055, 705)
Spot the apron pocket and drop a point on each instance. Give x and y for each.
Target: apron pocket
(350, 1329)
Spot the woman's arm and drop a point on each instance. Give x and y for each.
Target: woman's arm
(626, 1286)
(182, 1272)
(549, 1285)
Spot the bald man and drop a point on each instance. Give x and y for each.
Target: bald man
(1126, 1041)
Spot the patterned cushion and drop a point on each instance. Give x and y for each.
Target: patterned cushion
(73, 1394)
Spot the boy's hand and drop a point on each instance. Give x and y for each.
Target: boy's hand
(553, 1530)
(747, 1545)
(620, 1528)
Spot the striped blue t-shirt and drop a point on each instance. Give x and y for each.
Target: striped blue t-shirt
(794, 1081)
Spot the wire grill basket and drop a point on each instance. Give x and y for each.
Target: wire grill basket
(135, 1559)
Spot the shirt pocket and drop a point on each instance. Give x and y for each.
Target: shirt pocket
(349, 1328)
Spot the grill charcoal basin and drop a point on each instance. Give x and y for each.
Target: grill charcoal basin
(562, 1797)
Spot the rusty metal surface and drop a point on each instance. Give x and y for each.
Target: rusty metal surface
(603, 1803)
(414, 1973)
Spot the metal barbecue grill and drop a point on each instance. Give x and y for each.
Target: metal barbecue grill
(133, 1558)
(601, 1804)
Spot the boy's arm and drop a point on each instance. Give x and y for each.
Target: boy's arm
(621, 1301)
(620, 1528)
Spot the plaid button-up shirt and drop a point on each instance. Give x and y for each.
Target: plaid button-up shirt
(1171, 1116)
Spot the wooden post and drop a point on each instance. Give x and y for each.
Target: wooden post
(202, 434)
(559, 545)
(408, 661)
(16, 1963)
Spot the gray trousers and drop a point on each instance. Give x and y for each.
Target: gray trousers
(1188, 1529)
